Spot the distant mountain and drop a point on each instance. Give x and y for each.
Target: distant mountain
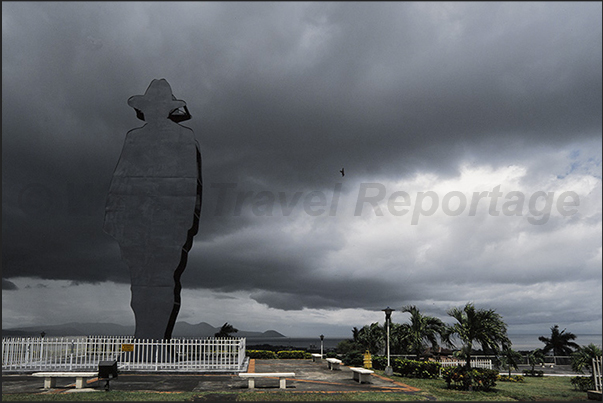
(202, 329)
(267, 333)
(72, 329)
(181, 329)
(272, 333)
(184, 329)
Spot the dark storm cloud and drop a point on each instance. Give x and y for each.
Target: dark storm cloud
(517, 84)
(282, 96)
(8, 285)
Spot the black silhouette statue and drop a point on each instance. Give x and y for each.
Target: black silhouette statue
(153, 207)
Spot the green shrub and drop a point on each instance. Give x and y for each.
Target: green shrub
(512, 378)
(429, 370)
(416, 369)
(486, 378)
(261, 354)
(353, 359)
(583, 383)
(347, 346)
(331, 355)
(529, 372)
(473, 379)
(293, 355)
(380, 362)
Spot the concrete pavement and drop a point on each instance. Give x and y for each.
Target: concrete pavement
(309, 377)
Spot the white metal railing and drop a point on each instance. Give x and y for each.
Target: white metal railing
(474, 363)
(214, 354)
(552, 360)
(597, 373)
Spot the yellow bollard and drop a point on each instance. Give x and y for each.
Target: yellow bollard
(368, 360)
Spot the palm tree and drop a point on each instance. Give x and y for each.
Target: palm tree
(510, 358)
(397, 339)
(583, 358)
(226, 330)
(535, 357)
(559, 343)
(355, 332)
(421, 330)
(484, 327)
(372, 338)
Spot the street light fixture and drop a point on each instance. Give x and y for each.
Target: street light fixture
(322, 337)
(388, 318)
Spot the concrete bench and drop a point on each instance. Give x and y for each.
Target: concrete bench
(332, 362)
(282, 377)
(316, 356)
(361, 374)
(50, 378)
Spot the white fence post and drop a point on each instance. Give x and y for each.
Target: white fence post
(597, 373)
(84, 353)
(474, 363)
(27, 351)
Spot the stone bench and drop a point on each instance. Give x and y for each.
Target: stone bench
(332, 362)
(316, 356)
(50, 378)
(282, 377)
(361, 374)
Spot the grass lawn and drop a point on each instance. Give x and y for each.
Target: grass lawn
(549, 388)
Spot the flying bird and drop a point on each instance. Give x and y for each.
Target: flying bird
(342, 172)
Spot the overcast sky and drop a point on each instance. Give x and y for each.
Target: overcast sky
(470, 134)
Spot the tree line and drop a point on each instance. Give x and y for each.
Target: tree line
(473, 327)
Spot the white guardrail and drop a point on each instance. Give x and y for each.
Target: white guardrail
(214, 354)
(474, 363)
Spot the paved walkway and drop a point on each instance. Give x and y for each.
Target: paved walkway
(317, 377)
(309, 377)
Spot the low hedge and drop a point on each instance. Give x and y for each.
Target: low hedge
(283, 355)
(512, 378)
(417, 369)
(473, 379)
(583, 383)
(261, 354)
(409, 368)
(293, 355)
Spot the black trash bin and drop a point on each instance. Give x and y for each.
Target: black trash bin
(107, 370)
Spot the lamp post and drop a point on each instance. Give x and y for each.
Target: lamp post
(388, 318)
(322, 337)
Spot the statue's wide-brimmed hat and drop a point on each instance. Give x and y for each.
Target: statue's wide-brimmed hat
(158, 99)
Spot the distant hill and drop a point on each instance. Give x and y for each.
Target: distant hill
(72, 329)
(203, 329)
(181, 329)
(271, 333)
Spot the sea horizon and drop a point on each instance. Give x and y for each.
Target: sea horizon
(527, 341)
(520, 342)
